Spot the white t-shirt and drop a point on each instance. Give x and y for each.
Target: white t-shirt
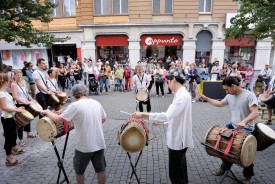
(85, 66)
(87, 115)
(89, 70)
(97, 70)
(141, 81)
(22, 93)
(9, 103)
(52, 84)
(272, 83)
(42, 78)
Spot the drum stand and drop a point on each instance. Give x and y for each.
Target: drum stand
(60, 161)
(226, 174)
(134, 166)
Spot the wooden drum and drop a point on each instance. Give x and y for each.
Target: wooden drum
(243, 149)
(53, 100)
(267, 100)
(61, 97)
(34, 108)
(23, 118)
(133, 135)
(49, 131)
(142, 96)
(265, 136)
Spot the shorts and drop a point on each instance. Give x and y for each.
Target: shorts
(81, 161)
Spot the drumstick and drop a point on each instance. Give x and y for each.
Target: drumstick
(131, 115)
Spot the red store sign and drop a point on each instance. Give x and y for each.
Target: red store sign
(161, 40)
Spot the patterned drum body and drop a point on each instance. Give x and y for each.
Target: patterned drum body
(49, 131)
(23, 118)
(243, 148)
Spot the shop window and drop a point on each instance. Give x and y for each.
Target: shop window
(65, 8)
(240, 54)
(107, 7)
(205, 6)
(162, 6)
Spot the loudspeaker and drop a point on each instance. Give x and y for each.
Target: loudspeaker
(213, 90)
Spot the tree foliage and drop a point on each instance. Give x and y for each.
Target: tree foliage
(16, 22)
(255, 17)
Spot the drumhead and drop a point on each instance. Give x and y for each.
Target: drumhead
(62, 94)
(27, 114)
(264, 99)
(266, 130)
(142, 95)
(36, 107)
(55, 98)
(248, 152)
(46, 129)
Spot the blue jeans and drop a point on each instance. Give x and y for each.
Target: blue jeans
(103, 81)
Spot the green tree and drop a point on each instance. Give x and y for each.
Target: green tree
(255, 17)
(16, 22)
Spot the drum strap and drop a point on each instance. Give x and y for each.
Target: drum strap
(226, 151)
(25, 92)
(66, 126)
(219, 138)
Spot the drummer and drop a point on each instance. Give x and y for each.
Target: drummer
(244, 109)
(23, 99)
(52, 83)
(270, 91)
(179, 132)
(8, 111)
(141, 82)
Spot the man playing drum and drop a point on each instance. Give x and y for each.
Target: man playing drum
(179, 132)
(141, 82)
(244, 109)
(88, 116)
(270, 91)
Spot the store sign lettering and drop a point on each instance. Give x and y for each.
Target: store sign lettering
(151, 41)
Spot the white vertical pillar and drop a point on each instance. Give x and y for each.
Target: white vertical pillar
(189, 50)
(218, 47)
(88, 50)
(134, 51)
(262, 54)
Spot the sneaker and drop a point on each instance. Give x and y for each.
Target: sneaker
(193, 101)
(219, 172)
(269, 122)
(247, 181)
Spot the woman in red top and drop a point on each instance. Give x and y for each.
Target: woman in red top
(127, 75)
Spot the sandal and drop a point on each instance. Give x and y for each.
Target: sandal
(31, 136)
(22, 143)
(16, 151)
(10, 163)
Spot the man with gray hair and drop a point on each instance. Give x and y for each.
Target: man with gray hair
(88, 116)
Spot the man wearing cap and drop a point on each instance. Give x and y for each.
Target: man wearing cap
(88, 116)
(178, 117)
(266, 73)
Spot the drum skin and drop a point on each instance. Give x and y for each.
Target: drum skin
(61, 97)
(269, 100)
(243, 148)
(142, 96)
(23, 118)
(133, 137)
(265, 136)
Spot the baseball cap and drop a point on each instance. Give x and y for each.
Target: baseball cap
(176, 74)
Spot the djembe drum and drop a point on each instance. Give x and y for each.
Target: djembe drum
(142, 96)
(34, 108)
(265, 136)
(270, 100)
(23, 118)
(239, 148)
(49, 131)
(133, 135)
(61, 97)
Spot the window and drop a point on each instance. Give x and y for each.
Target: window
(162, 6)
(205, 6)
(106, 7)
(65, 8)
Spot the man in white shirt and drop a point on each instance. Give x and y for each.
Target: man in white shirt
(40, 77)
(141, 82)
(267, 74)
(179, 132)
(270, 91)
(88, 116)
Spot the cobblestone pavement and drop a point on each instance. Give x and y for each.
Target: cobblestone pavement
(39, 163)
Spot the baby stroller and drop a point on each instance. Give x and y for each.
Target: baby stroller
(93, 84)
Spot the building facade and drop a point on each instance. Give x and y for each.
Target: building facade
(120, 29)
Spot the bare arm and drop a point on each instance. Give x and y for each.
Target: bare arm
(7, 109)
(55, 117)
(14, 95)
(216, 103)
(253, 114)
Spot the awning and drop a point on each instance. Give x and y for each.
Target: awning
(242, 43)
(161, 40)
(111, 40)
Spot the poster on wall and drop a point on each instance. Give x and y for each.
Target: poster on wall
(16, 58)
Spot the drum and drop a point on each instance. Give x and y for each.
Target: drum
(267, 100)
(49, 131)
(142, 96)
(34, 108)
(243, 149)
(61, 97)
(53, 100)
(133, 135)
(265, 136)
(23, 118)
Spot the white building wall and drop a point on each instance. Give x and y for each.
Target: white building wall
(218, 47)
(262, 54)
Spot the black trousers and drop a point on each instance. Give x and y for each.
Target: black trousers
(42, 99)
(26, 128)
(148, 105)
(178, 166)
(9, 127)
(159, 85)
